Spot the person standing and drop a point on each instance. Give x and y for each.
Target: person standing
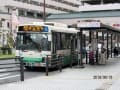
(115, 51)
(91, 57)
(103, 56)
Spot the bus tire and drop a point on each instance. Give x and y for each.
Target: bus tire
(28, 68)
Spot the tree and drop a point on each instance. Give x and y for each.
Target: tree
(10, 41)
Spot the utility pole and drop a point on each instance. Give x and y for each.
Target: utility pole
(44, 12)
(102, 2)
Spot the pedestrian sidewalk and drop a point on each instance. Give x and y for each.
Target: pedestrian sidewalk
(92, 77)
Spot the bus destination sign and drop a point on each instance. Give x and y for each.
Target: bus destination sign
(32, 28)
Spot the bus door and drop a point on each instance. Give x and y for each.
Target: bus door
(73, 49)
(73, 43)
(54, 42)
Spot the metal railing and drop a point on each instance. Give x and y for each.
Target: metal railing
(54, 60)
(73, 58)
(13, 67)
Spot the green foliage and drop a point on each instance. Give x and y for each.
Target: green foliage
(10, 41)
(7, 56)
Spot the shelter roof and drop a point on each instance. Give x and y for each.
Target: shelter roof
(90, 14)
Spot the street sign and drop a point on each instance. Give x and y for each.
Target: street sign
(88, 24)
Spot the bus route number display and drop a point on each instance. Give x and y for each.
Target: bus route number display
(33, 28)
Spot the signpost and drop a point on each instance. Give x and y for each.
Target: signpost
(84, 24)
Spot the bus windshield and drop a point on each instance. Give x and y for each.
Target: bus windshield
(33, 41)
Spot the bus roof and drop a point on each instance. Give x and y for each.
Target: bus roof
(53, 26)
(49, 24)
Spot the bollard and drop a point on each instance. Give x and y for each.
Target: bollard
(60, 63)
(21, 69)
(71, 57)
(86, 57)
(47, 66)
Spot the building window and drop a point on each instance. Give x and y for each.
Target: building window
(39, 15)
(21, 13)
(0, 23)
(8, 24)
(67, 3)
(8, 10)
(36, 3)
(30, 14)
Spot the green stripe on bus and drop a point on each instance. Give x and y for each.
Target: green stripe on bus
(27, 59)
(67, 58)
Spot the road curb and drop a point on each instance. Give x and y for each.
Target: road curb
(6, 58)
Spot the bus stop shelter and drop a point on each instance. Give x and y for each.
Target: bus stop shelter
(97, 32)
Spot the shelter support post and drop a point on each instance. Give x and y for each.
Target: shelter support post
(107, 46)
(97, 47)
(81, 49)
(90, 36)
(111, 45)
(71, 52)
(84, 45)
(103, 37)
(117, 39)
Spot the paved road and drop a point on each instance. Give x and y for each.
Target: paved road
(92, 77)
(15, 76)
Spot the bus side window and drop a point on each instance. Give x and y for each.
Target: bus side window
(58, 36)
(68, 41)
(63, 41)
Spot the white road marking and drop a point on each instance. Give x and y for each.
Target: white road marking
(109, 83)
(4, 74)
(9, 77)
(1, 70)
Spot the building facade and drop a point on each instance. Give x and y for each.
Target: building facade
(107, 11)
(30, 11)
(99, 5)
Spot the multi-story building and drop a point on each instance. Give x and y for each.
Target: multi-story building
(34, 8)
(98, 2)
(30, 11)
(107, 11)
(99, 5)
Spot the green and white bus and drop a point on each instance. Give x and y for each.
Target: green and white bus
(36, 40)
